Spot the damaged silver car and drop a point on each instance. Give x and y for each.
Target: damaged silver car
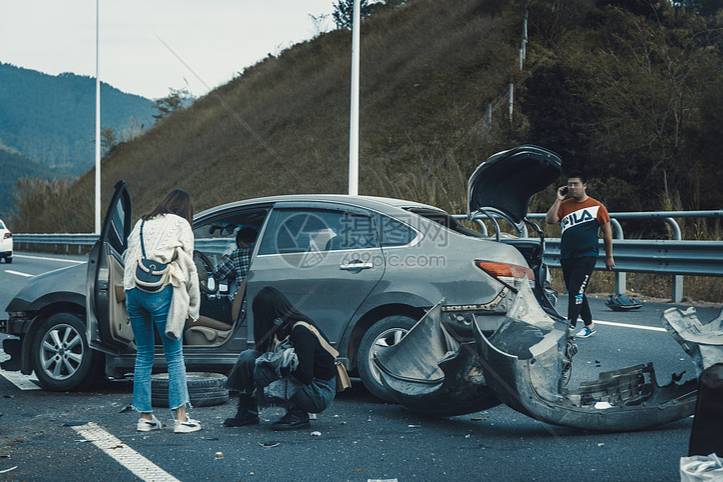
(517, 350)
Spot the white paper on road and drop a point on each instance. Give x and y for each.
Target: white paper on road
(23, 382)
(112, 446)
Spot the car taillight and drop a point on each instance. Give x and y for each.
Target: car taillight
(8, 235)
(505, 271)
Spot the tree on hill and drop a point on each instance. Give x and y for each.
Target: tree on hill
(108, 139)
(343, 13)
(175, 100)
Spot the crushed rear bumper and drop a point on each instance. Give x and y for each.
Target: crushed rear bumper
(525, 363)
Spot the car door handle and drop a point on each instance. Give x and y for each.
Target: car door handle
(355, 266)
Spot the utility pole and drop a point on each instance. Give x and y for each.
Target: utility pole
(97, 117)
(354, 111)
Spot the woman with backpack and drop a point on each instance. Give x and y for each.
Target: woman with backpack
(161, 286)
(291, 348)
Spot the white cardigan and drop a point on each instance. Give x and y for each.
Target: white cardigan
(168, 239)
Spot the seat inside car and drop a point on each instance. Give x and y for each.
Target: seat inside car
(209, 331)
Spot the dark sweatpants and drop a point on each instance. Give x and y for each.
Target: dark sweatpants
(577, 272)
(313, 398)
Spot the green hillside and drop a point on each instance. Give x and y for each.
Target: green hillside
(51, 118)
(628, 90)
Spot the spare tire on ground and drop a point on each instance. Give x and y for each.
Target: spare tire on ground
(204, 389)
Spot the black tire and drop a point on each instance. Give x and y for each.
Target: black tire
(204, 389)
(77, 365)
(9, 260)
(383, 329)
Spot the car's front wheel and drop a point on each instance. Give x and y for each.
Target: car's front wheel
(62, 359)
(384, 333)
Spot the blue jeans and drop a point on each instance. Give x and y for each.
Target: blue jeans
(146, 310)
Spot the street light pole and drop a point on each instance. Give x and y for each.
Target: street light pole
(97, 117)
(354, 114)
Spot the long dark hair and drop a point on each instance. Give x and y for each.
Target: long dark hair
(176, 202)
(274, 315)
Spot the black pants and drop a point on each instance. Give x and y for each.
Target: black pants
(313, 398)
(577, 272)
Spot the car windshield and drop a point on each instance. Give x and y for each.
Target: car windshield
(441, 217)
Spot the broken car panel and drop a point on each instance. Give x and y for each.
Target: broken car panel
(525, 364)
(516, 349)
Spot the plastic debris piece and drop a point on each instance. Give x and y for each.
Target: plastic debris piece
(269, 445)
(476, 419)
(602, 405)
(218, 455)
(413, 426)
(468, 435)
(316, 434)
(601, 444)
(312, 416)
(8, 470)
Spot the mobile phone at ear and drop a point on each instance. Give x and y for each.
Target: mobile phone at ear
(564, 191)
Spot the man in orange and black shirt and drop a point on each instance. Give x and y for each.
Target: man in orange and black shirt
(580, 218)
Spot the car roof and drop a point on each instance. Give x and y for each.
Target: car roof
(372, 202)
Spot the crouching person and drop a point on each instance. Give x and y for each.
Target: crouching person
(292, 359)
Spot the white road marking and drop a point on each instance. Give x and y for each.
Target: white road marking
(9, 271)
(23, 382)
(140, 466)
(626, 325)
(75, 261)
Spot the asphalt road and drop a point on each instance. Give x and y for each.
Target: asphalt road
(45, 434)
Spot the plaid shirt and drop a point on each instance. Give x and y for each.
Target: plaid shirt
(238, 263)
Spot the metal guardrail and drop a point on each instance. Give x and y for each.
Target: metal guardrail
(646, 256)
(703, 258)
(676, 257)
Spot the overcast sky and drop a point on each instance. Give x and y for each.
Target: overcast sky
(216, 38)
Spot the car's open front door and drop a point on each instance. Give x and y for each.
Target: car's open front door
(108, 327)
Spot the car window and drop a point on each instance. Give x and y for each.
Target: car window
(216, 237)
(2, 226)
(444, 219)
(301, 230)
(395, 233)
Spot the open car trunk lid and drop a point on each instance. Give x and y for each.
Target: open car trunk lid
(507, 180)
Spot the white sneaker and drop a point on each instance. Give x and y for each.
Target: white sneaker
(188, 426)
(586, 332)
(148, 425)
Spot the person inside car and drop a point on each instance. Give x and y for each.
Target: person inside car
(235, 266)
(311, 378)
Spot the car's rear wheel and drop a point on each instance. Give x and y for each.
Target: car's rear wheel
(9, 259)
(384, 333)
(62, 359)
